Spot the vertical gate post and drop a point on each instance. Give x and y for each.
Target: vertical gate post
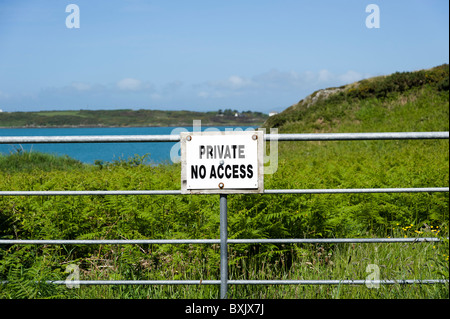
(223, 247)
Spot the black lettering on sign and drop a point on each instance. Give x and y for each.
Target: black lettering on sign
(221, 151)
(234, 150)
(227, 174)
(234, 171)
(202, 151)
(202, 171)
(249, 171)
(194, 171)
(213, 172)
(227, 152)
(198, 171)
(242, 169)
(220, 171)
(241, 151)
(209, 151)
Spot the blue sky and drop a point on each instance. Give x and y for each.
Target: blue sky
(205, 55)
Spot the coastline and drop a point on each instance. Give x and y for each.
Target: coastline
(259, 124)
(127, 118)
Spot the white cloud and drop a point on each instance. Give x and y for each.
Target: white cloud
(214, 94)
(232, 83)
(324, 76)
(129, 84)
(132, 85)
(81, 86)
(278, 80)
(237, 82)
(275, 79)
(274, 83)
(351, 76)
(270, 89)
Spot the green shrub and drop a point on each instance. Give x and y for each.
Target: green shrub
(20, 161)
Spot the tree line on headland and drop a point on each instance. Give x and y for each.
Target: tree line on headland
(129, 117)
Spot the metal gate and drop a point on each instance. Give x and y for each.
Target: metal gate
(224, 241)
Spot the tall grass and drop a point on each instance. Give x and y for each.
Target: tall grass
(20, 161)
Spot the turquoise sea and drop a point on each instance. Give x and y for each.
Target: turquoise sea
(90, 152)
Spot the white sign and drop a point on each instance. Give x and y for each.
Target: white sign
(222, 162)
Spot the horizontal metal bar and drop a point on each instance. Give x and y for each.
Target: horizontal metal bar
(93, 193)
(332, 240)
(212, 241)
(245, 282)
(337, 282)
(129, 282)
(357, 136)
(105, 241)
(138, 282)
(267, 191)
(356, 190)
(267, 137)
(88, 139)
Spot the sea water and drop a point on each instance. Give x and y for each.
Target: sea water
(107, 152)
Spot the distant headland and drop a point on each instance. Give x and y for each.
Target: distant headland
(128, 118)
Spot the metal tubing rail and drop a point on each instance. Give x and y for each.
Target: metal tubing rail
(267, 191)
(357, 136)
(245, 282)
(267, 137)
(88, 139)
(250, 282)
(215, 241)
(90, 193)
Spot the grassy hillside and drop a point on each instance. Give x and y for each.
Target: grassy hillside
(128, 118)
(400, 102)
(376, 104)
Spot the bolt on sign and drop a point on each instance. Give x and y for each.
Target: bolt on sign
(222, 162)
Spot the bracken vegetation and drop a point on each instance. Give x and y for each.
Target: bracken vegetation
(417, 101)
